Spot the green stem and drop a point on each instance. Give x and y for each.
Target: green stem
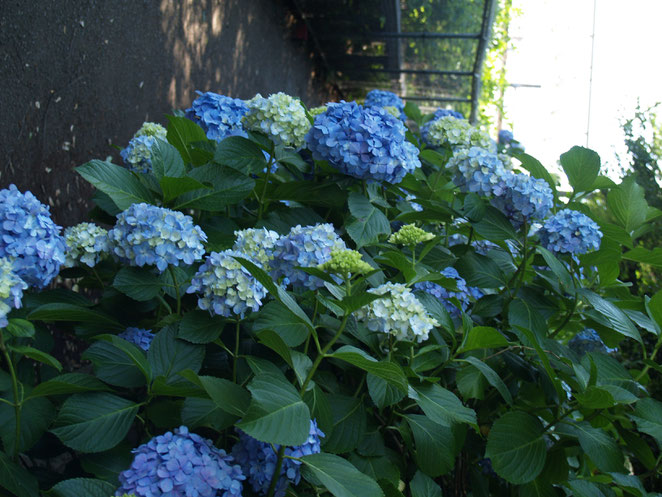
(276, 475)
(96, 275)
(179, 297)
(17, 402)
(260, 208)
(322, 354)
(236, 353)
(165, 304)
(651, 358)
(566, 320)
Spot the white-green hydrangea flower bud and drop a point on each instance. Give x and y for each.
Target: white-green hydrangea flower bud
(281, 117)
(346, 262)
(152, 129)
(410, 235)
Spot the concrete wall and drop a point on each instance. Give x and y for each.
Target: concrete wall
(79, 76)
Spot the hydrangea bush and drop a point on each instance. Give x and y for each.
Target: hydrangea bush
(324, 304)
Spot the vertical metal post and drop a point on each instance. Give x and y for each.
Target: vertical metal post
(489, 12)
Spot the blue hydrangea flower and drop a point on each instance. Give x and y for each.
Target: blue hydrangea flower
(588, 341)
(398, 313)
(522, 197)
(463, 293)
(382, 98)
(570, 232)
(147, 235)
(258, 460)
(11, 290)
(226, 287)
(439, 113)
(259, 243)
(455, 133)
(86, 243)
(505, 136)
(138, 154)
(181, 464)
(281, 117)
(307, 246)
(138, 336)
(366, 143)
(476, 170)
(29, 237)
(218, 115)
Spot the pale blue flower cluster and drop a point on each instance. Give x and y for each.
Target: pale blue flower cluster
(505, 136)
(259, 243)
(147, 235)
(439, 113)
(281, 117)
(382, 98)
(522, 197)
(86, 243)
(399, 313)
(11, 290)
(454, 132)
(138, 154)
(476, 170)
(366, 143)
(588, 341)
(258, 460)
(181, 464)
(570, 232)
(304, 246)
(138, 336)
(227, 288)
(463, 293)
(220, 116)
(29, 237)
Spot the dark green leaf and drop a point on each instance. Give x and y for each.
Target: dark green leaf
(70, 312)
(424, 486)
(114, 366)
(536, 169)
(241, 154)
(483, 337)
(199, 327)
(166, 161)
(382, 393)
(441, 406)
(83, 487)
(168, 355)
(648, 416)
(339, 476)
(117, 182)
(349, 424)
(20, 328)
(388, 371)
(279, 318)
(36, 416)
(523, 315)
(16, 479)
(582, 166)
(174, 187)
(226, 186)
(628, 204)
(182, 132)
(619, 321)
(37, 355)
(368, 221)
(480, 271)
(68, 383)
(595, 398)
(598, 445)
(140, 284)
(134, 353)
(435, 445)
(492, 377)
(227, 396)
(495, 226)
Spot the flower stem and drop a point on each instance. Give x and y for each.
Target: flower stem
(17, 403)
(179, 297)
(322, 354)
(276, 475)
(260, 208)
(236, 352)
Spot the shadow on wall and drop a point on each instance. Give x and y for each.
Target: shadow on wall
(81, 77)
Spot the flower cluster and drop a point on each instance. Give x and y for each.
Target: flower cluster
(316, 111)
(399, 313)
(366, 143)
(258, 460)
(258, 243)
(138, 154)
(227, 288)
(218, 115)
(181, 464)
(454, 132)
(280, 117)
(307, 246)
(570, 232)
(522, 197)
(410, 235)
(382, 98)
(86, 243)
(439, 113)
(11, 290)
(588, 341)
(138, 336)
(345, 263)
(463, 293)
(476, 170)
(29, 237)
(149, 235)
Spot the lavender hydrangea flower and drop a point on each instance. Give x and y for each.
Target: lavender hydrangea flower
(86, 244)
(588, 340)
(138, 154)
(220, 116)
(476, 170)
(455, 133)
(259, 243)
(522, 197)
(570, 232)
(147, 235)
(29, 237)
(399, 313)
(383, 98)
(307, 246)
(138, 336)
(11, 290)
(366, 143)
(463, 293)
(281, 117)
(226, 287)
(258, 460)
(181, 464)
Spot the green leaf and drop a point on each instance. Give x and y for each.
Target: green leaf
(557, 267)
(516, 447)
(140, 284)
(435, 445)
(279, 318)
(349, 424)
(582, 166)
(641, 254)
(83, 487)
(388, 371)
(94, 422)
(536, 169)
(616, 317)
(648, 416)
(68, 383)
(628, 204)
(200, 327)
(413, 112)
(424, 486)
(276, 413)
(227, 396)
(117, 182)
(483, 337)
(36, 355)
(182, 132)
(368, 221)
(382, 393)
(585, 488)
(134, 353)
(654, 306)
(480, 271)
(36, 416)
(241, 154)
(225, 186)
(596, 398)
(495, 226)
(598, 445)
(378, 468)
(168, 355)
(20, 328)
(204, 412)
(174, 187)
(474, 208)
(166, 161)
(75, 313)
(339, 476)
(492, 377)
(323, 194)
(114, 366)
(441, 406)
(16, 479)
(523, 315)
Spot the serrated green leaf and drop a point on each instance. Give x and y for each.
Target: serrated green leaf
(140, 284)
(20, 328)
(492, 377)
(68, 383)
(168, 355)
(83, 487)
(16, 479)
(241, 154)
(599, 446)
(648, 416)
(483, 337)
(226, 186)
(441, 406)
(495, 226)
(36, 355)
(339, 476)
(424, 486)
(382, 393)
(388, 371)
(279, 318)
(117, 182)
(36, 416)
(166, 161)
(199, 327)
(620, 322)
(582, 166)
(628, 204)
(435, 445)
(182, 133)
(75, 313)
